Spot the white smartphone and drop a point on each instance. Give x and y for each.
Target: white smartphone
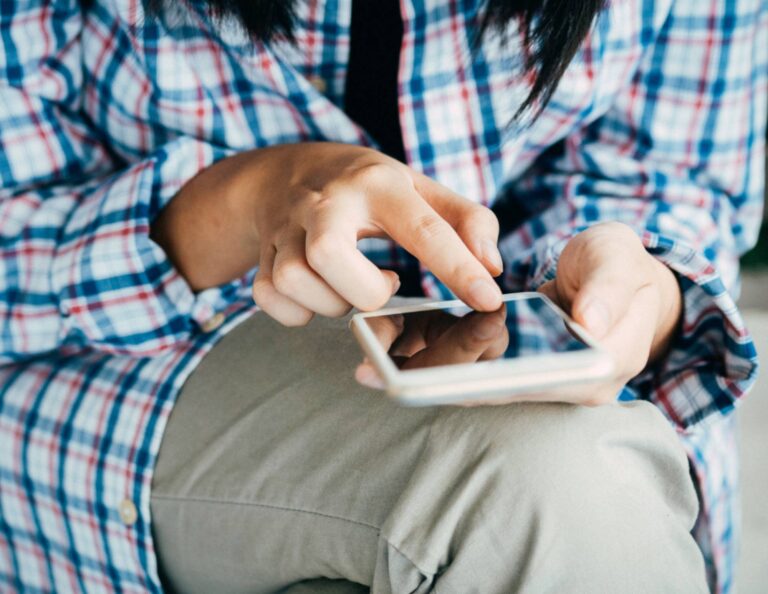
(446, 353)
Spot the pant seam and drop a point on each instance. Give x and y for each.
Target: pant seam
(423, 572)
(263, 505)
(387, 538)
(426, 574)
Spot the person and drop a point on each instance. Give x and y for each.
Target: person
(181, 181)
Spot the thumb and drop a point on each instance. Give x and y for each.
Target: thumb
(599, 272)
(603, 298)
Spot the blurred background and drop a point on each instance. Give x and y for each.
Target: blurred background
(752, 577)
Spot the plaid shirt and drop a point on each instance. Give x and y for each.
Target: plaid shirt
(105, 113)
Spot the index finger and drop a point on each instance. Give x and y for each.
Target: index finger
(410, 221)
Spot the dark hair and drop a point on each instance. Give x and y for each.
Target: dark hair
(552, 30)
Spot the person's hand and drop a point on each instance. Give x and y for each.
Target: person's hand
(606, 280)
(435, 338)
(625, 298)
(299, 210)
(324, 197)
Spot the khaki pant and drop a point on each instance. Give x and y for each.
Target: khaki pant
(279, 473)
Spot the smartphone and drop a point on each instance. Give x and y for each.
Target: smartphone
(446, 353)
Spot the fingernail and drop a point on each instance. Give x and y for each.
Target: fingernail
(396, 286)
(491, 254)
(485, 294)
(597, 318)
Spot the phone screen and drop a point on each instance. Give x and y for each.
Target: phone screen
(520, 328)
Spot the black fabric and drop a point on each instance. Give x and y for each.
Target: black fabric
(372, 91)
(372, 88)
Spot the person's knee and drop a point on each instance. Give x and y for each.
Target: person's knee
(567, 460)
(538, 446)
(559, 485)
(547, 445)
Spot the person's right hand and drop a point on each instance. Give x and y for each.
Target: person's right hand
(298, 211)
(312, 202)
(320, 199)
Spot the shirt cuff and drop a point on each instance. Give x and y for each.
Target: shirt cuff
(117, 291)
(713, 361)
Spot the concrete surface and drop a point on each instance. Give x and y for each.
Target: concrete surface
(752, 576)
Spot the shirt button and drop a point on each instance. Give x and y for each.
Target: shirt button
(319, 83)
(128, 512)
(213, 323)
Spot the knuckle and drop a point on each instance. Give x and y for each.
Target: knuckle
(610, 233)
(297, 319)
(269, 300)
(287, 276)
(339, 311)
(260, 291)
(463, 271)
(374, 174)
(314, 197)
(322, 204)
(373, 301)
(484, 217)
(309, 205)
(426, 228)
(321, 250)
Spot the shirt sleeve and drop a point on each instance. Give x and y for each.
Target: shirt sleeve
(77, 265)
(679, 157)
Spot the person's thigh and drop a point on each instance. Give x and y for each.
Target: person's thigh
(275, 460)
(278, 468)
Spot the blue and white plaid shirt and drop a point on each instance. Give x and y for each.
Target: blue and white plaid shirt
(105, 113)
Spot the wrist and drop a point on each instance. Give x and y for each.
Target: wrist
(208, 230)
(670, 309)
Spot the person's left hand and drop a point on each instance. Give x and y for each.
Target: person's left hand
(625, 298)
